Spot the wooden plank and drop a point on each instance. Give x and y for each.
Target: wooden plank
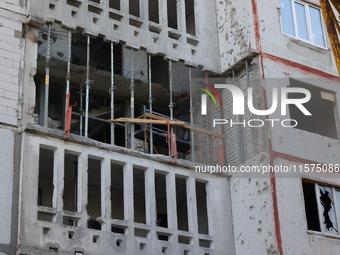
(201, 130)
(148, 121)
(159, 120)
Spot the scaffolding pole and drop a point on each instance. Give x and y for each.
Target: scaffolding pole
(192, 143)
(112, 96)
(171, 105)
(209, 123)
(251, 114)
(47, 76)
(68, 76)
(87, 87)
(132, 87)
(238, 129)
(150, 105)
(81, 111)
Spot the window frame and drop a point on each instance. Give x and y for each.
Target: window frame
(319, 208)
(308, 22)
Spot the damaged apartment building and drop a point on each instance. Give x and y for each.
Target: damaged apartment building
(91, 163)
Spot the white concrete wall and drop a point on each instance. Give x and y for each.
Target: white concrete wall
(218, 199)
(235, 31)
(11, 65)
(277, 44)
(6, 183)
(140, 37)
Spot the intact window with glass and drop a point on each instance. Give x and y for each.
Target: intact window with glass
(322, 205)
(302, 21)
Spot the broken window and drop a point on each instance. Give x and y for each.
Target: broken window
(172, 13)
(153, 11)
(139, 195)
(94, 192)
(190, 17)
(181, 203)
(161, 201)
(117, 192)
(320, 206)
(70, 182)
(45, 181)
(134, 8)
(321, 106)
(202, 212)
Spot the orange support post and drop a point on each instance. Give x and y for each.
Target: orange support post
(172, 144)
(68, 118)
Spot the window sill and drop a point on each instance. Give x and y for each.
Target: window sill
(306, 44)
(320, 234)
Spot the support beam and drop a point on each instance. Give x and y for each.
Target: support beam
(47, 75)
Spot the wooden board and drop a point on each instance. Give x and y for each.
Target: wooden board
(177, 123)
(148, 121)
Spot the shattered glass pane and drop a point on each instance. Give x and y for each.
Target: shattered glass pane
(328, 210)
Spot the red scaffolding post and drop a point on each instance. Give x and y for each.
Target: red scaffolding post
(68, 118)
(172, 144)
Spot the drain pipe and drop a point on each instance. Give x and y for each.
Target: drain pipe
(171, 105)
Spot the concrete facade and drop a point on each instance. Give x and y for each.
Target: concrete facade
(49, 207)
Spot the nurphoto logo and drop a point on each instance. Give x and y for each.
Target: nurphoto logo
(238, 104)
